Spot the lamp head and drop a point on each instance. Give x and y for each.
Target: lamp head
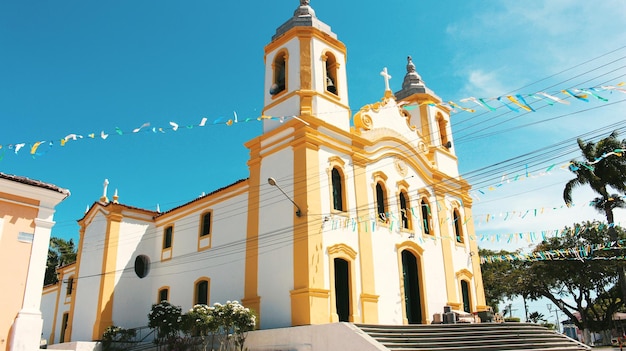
(271, 181)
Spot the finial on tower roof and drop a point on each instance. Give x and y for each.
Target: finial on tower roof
(304, 10)
(412, 83)
(410, 67)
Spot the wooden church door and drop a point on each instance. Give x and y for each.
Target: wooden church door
(342, 289)
(411, 288)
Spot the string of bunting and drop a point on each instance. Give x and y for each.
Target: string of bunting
(519, 102)
(582, 253)
(572, 166)
(533, 212)
(36, 148)
(393, 223)
(515, 103)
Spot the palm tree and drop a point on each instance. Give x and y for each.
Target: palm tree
(602, 172)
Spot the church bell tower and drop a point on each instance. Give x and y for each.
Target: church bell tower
(305, 72)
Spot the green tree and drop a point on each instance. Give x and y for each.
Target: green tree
(501, 278)
(602, 173)
(61, 252)
(583, 276)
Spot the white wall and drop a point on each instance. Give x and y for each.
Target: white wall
(88, 282)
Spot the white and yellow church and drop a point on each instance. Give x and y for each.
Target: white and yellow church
(359, 218)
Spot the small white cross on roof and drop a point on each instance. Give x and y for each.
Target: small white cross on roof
(386, 76)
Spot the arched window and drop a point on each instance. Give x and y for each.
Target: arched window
(279, 83)
(404, 210)
(443, 132)
(202, 292)
(381, 203)
(458, 229)
(331, 67)
(337, 184)
(426, 216)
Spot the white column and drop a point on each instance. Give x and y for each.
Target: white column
(26, 331)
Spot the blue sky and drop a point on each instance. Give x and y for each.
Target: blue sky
(81, 67)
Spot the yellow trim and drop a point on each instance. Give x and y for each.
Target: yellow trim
(309, 32)
(418, 252)
(446, 249)
(251, 298)
(308, 304)
(195, 290)
(165, 287)
(346, 253)
(208, 236)
(104, 309)
(306, 74)
(369, 298)
(478, 277)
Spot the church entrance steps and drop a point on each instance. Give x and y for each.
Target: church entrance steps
(471, 337)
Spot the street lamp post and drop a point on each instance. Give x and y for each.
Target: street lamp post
(556, 313)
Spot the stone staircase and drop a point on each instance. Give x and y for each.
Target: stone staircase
(471, 337)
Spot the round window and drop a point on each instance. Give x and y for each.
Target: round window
(142, 266)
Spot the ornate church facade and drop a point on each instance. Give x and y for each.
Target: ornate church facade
(361, 218)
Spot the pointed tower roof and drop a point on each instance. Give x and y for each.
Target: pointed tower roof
(304, 16)
(412, 83)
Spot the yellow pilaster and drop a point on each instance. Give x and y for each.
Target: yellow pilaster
(251, 298)
(477, 274)
(104, 312)
(369, 299)
(306, 93)
(309, 299)
(446, 249)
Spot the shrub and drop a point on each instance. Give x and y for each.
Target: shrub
(116, 338)
(166, 319)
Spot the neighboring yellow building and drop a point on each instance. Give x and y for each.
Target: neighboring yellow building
(358, 218)
(26, 211)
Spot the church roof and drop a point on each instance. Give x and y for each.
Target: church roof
(202, 197)
(304, 16)
(36, 183)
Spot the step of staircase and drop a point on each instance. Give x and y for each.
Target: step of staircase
(471, 337)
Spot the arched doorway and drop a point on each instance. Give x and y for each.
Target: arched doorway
(412, 300)
(466, 296)
(342, 289)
